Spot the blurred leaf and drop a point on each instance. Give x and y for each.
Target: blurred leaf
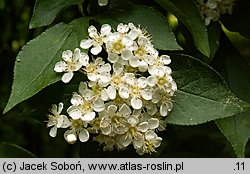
(237, 74)
(9, 150)
(35, 62)
(239, 20)
(153, 21)
(202, 94)
(45, 11)
(189, 15)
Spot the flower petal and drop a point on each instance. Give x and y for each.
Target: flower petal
(70, 137)
(146, 94)
(76, 100)
(106, 28)
(60, 66)
(132, 120)
(112, 57)
(153, 123)
(106, 130)
(125, 140)
(111, 92)
(150, 135)
(60, 107)
(96, 50)
(143, 67)
(88, 116)
(124, 110)
(74, 112)
(165, 59)
(163, 110)
(134, 61)
(67, 77)
(124, 92)
(83, 135)
(67, 55)
(86, 43)
(112, 109)
(151, 81)
(126, 54)
(138, 143)
(136, 103)
(84, 59)
(53, 131)
(143, 127)
(102, 2)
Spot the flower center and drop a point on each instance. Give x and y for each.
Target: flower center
(140, 52)
(97, 89)
(87, 106)
(133, 131)
(71, 66)
(118, 47)
(91, 68)
(162, 81)
(116, 81)
(149, 147)
(77, 124)
(98, 39)
(136, 90)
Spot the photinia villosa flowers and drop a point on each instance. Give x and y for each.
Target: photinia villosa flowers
(127, 94)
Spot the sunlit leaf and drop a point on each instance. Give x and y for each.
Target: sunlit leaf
(45, 11)
(34, 68)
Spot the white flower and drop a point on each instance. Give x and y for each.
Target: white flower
(134, 132)
(156, 121)
(84, 107)
(99, 71)
(102, 2)
(151, 142)
(109, 142)
(162, 80)
(144, 54)
(57, 120)
(119, 43)
(164, 100)
(126, 95)
(96, 40)
(211, 10)
(72, 62)
(77, 129)
(114, 120)
(135, 89)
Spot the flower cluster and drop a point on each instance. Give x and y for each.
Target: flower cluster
(127, 95)
(212, 9)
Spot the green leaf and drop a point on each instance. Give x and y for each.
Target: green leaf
(237, 73)
(188, 14)
(34, 68)
(202, 94)
(9, 150)
(45, 11)
(236, 129)
(154, 22)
